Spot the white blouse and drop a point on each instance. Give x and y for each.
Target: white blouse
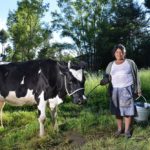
(121, 75)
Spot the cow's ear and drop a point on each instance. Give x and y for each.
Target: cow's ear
(83, 64)
(69, 64)
(77, 65)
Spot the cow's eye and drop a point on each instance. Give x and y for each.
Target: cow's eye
(70, 82)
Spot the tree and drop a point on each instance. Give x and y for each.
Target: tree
(147, 12)
(145, 40)
(26, 29)
(97, 25)
(46, 52)
(125, 25)
(147, 4)
(3, 39)
(9, 53)
(79, 20)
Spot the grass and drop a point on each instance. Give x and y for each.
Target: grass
(145, 83)
(88, 127)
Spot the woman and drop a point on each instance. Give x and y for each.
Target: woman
(124, 86)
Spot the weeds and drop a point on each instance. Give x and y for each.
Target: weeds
(85, 127)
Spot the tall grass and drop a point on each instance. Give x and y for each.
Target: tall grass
(86, 127)
(145, 83)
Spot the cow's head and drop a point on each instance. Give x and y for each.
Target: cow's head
(74, 81)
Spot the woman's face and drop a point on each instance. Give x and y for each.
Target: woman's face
(119, 54)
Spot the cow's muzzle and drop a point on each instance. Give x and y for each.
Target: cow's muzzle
(81, 100)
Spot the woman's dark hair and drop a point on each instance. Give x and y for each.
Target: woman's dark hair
(120, 46)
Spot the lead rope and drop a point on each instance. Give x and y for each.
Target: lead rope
(142, 97)
(92, 90)
(69, 94)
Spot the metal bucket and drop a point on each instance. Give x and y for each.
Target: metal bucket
(143, 110)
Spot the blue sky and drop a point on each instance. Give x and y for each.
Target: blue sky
(4, 9)
(8, 5)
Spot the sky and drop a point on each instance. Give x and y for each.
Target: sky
(10, 5)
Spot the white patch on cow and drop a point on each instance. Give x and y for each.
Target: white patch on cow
(42, 102)
(41, 96)
(77, 73)
(22, 82)
(60, 73)
(53, 102)
(41, 108)
(28, 99)
(39, 71)
(4, 63)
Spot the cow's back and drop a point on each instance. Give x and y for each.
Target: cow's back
(27, 80)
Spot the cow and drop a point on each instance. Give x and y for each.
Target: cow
(38, 82)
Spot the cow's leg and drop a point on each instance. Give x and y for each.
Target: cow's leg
(53, 103)
(42, 115)
(54, 117)
(2, 104)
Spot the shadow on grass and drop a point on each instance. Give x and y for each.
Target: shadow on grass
(142, 124)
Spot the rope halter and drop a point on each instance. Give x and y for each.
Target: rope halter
(69, 94)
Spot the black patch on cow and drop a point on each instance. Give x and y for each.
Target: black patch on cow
(39, 112)
(42, 85)
(21, 91)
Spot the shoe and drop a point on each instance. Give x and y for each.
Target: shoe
(118, 133)
(128, 134)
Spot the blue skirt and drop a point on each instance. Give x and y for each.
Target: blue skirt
(122, 101)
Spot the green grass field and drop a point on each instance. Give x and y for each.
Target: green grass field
(88, 127)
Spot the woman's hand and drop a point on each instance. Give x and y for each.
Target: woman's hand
(105, 80)
(139, 94)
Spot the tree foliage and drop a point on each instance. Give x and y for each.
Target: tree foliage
(147, 3)
(97, 25)
(26, 29)
(125, 25)
(3, 39)
(80, 20)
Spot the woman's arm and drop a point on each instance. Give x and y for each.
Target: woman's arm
(106, 76)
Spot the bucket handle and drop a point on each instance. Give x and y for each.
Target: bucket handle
(142, 97)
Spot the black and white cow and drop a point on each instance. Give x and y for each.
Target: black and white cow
(40, 82)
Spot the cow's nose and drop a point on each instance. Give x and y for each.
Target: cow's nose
(79, 101)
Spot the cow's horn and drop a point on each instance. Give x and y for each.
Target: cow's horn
(69, 64)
